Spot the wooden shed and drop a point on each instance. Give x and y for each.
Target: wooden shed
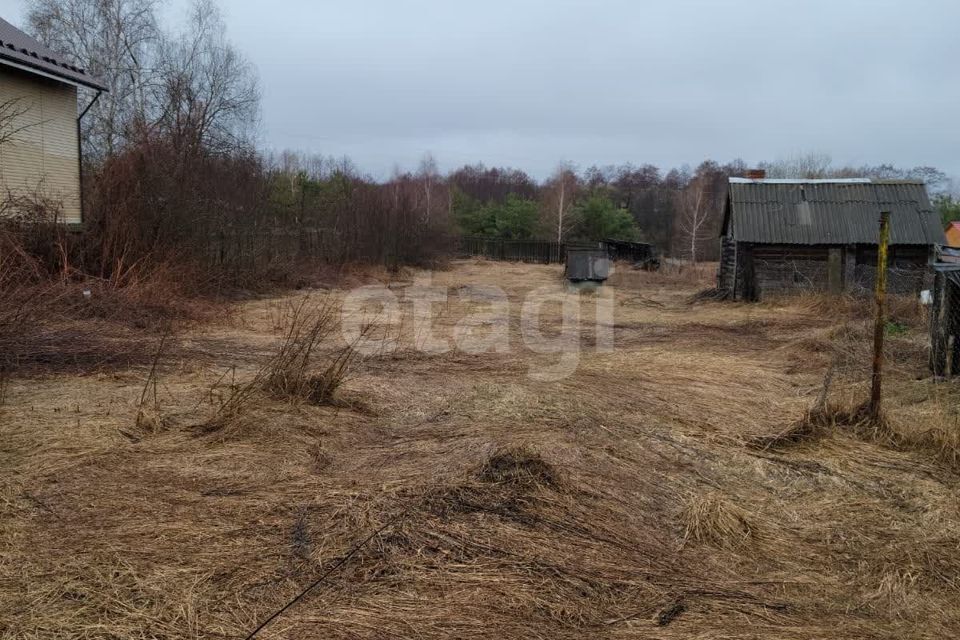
(784, 235)
(39, 123)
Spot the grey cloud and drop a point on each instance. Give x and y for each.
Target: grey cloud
(528, 83)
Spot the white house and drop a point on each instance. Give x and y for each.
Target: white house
(39, 122)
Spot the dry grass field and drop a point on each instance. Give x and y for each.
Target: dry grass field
(677, 486)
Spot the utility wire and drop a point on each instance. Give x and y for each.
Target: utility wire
(329, 571)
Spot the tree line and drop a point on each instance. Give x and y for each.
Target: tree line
(680, 210)
(170, 161)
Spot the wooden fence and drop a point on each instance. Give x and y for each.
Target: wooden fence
(260, 248)
(545, 252)
(513, 250)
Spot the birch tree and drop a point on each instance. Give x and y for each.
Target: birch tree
(559, 197)
(693, 216)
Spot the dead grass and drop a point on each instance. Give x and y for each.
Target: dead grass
(86, 325)
(518, 466)
(628, 500)
(712, 518)
(699, 276)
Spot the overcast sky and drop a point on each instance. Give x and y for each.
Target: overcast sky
(528, 83)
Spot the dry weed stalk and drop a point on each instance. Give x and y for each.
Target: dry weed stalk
(294, 372)
(288, 374)
(813, 425)
(232, 408)
(300, 369)
(149, 419)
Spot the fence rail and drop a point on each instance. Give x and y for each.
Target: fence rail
(259, 248)
(545, 252)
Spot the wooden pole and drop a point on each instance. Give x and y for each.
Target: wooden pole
(880, 322)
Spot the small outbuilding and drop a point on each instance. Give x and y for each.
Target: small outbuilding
(587, 266)
(783, 235)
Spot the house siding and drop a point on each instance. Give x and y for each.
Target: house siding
(43, 157)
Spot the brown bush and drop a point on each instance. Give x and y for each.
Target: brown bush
(302, 368)
(54, 317)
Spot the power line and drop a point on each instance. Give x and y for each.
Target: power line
(329, 571)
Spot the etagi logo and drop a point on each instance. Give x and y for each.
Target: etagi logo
(375, 318)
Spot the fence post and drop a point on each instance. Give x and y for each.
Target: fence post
(939, 324)
(880, 320)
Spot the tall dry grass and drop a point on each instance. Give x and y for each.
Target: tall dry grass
(305, 367)
(56, 317)
(699, 275)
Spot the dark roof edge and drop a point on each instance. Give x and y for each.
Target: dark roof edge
(825, 181)
(47, 72)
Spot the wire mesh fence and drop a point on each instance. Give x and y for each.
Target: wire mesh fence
(809, 275)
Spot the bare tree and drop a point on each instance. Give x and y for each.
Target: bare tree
(808, 166)
(429, 175)
(693, 216)
(208, 95)
(193, 86)
(115, 40)
(14, 120)
(560, 193)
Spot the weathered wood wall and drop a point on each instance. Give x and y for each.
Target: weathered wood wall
(750, 271)
(782, 268)
(726, 275)
(945, 322)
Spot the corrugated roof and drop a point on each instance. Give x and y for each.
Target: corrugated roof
(20, 50)
(829, 212)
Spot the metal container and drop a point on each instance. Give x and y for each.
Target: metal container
(587, 265)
